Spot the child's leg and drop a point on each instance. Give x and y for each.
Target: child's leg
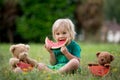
(43, 67)
(72, 65)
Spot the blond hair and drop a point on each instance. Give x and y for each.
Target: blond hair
(65, 23)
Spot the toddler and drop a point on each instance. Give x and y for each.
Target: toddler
(67, 58)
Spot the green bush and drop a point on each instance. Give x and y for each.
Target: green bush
(38, 17)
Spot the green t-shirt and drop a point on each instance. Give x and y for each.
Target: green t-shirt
(61, 59)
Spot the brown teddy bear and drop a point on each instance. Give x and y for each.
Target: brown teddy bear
(103, 58)
(21, 62)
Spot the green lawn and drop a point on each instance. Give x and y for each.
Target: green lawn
(38, 52)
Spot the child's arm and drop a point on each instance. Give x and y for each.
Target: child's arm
(52, 59)
(68, 54)
(52, 56)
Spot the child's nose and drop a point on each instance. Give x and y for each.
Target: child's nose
(61, 35)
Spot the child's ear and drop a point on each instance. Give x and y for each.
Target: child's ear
(12, 48)
(97, 54)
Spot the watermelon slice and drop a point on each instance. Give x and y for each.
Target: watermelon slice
(55, 45)
(99, 70)
(24, 66)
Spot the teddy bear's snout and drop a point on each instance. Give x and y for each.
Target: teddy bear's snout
(102, 60)
(23, 55)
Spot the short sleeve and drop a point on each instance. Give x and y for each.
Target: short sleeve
(75, 49)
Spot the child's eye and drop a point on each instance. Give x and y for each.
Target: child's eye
(64, 32)
(57, 33)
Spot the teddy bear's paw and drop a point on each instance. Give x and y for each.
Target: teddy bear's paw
(107, 65)
(18, 70)
(13, 61)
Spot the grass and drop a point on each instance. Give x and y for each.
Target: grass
(38, 52)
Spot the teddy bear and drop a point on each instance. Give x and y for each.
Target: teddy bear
(21, 62)
(103, 58)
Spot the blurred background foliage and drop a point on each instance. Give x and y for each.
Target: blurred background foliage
(112, 9)
(39, 15)
(31, 20)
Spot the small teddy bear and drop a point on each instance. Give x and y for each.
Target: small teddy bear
(21, 62)
(103, 58)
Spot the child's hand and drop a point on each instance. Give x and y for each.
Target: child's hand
(64, 50)
(48, 48)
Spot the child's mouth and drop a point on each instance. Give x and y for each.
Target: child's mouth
(62, 40)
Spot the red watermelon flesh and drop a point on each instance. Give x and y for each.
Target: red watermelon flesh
(99, 70)
(55, 45)
(24, 66)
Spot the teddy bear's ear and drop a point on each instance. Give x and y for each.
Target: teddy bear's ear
(97, 54)
(27, 46)
(111, 57)
(12, 48)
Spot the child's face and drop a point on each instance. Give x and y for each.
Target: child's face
(62, 34)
